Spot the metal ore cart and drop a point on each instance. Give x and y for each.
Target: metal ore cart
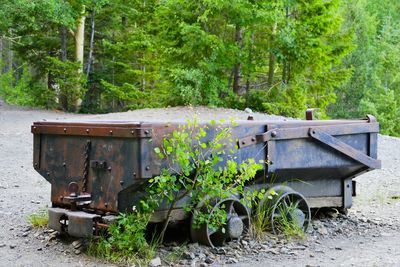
(98, 169)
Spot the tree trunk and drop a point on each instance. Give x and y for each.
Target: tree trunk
(250, 58)
(272, 58)
(63, 57)
(91, 44)
(237, 67)
(80, 38)
(9, 58)
(1, 55)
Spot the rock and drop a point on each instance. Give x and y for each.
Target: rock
(248, 110)
(322, 230)
(189, 255)
(208, 260)
(76, 244)
(232, 260)
(338, 248)
(13, 246)
(25, 234)
(77, 251)
(155, 262)
(39, 249)
(244, 242)
(2, 245)
(193, 263)
(203, 264)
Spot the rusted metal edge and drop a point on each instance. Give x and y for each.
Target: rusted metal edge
(303, 132)
(92, 131)
(344, 148)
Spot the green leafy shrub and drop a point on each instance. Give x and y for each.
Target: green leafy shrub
(197, 171)
(125, 241)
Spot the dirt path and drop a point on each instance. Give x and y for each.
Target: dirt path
(369, 237)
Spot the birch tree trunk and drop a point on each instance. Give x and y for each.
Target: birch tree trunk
(237, 67)
(91, 44)
(80, 38)
(272, 59)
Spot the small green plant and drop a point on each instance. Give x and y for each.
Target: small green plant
(286, 223)
(261, 216)
(202, 168)
(125, 241)
(39, 218)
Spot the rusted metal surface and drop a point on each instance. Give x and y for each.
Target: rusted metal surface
(101, 168)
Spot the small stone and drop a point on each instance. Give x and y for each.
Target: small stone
(322, 231)
(203, 264)
(232, 260)
(244, 242)
(2, 245)
(25, 234)
(76, 244)
(77, 251)
(208, 260)
(193, 263)
(155, 262)
(12, 246)
(312, 256)
(338, 248)
(39, 249)
(189, 255)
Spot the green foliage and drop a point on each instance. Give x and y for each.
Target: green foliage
(125, 241)
(39, 218)
(69, 81)
(25, 91)
(197, 170)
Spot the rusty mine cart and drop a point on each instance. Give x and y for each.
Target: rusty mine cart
(98, 169)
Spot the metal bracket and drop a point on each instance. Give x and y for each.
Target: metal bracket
(344, 148)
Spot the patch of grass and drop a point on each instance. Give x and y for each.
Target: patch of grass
(175, 255)
(125, 241)
(39, 218)
(287, 224)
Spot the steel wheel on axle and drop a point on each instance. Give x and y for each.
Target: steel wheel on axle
(237, 223)
(286, 206)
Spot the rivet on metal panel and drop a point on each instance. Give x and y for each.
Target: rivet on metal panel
(253, 139)
(274, 134)
(65, 130)
(87, 130)
(133, 132)
(243, 142)
(109, 168)
(147, 168)
(111, 132)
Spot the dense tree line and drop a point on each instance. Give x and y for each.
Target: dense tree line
(278, 56)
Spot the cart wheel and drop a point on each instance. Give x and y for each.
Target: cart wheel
(237, 223)
(286, 207)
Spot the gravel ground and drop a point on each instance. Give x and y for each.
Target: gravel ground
(368, 236)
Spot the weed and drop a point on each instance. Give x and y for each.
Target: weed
(176, 254)
(286, 221)
(39, 218)
(125, 241)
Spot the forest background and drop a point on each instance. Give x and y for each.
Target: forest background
(277, 56)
